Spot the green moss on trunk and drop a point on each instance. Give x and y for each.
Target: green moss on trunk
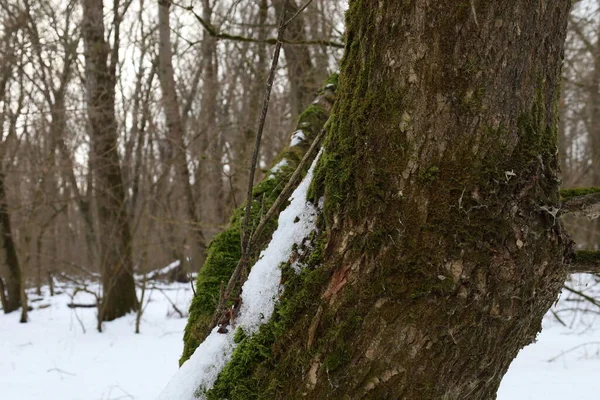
(437, 263)
(248, 374)
(224, 251)
(566, 194)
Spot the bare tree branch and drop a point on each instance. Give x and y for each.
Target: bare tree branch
(214, 32)
(246, 235)
(585, 261)
(582, 202)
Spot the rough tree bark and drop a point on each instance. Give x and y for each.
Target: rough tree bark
(437, 261)
(114, 237)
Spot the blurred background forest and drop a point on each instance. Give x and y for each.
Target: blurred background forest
(184, 82)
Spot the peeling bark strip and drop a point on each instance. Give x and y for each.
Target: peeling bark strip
(440, 264)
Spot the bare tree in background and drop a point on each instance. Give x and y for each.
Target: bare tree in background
(95, 179)
(119, 295)
(175, 145)
(12, 290)
(304, 78)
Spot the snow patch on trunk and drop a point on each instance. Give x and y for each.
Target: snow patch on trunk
(277, 168)
(297, 138)
(259, 296)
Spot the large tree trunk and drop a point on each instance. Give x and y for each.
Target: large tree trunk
(438, 263)
(114, 236)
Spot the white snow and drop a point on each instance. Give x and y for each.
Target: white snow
(259, 295)
(564, 362)
(277, 168)
(52, 358)
(533, 375)
(297, 138)
(161, 271)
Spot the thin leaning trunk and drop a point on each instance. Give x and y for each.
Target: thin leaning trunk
(212, 182)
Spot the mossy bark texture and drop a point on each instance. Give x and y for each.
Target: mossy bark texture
(224, 251)
(439, 258)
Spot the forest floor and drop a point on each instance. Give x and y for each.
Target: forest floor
(59, 355)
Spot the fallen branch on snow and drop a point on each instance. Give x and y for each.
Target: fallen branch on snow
(586, 205)
(585, 262)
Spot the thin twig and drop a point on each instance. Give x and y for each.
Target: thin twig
(224, 298)
(585, 296)
(562, 353)
(259, 132)
(289, 187)
(283, 196)
(192, 281)
(212, 31)
(60, 371)
(80, 321)
(298, 12)
(177, 310)
(558, 318)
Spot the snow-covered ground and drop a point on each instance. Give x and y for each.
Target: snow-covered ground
(52, 358)
(564, 363)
